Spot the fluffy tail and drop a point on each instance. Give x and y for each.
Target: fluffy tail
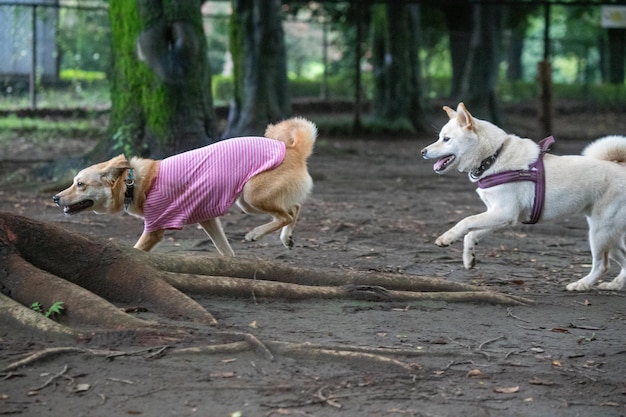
(298, 133)
(609, 148)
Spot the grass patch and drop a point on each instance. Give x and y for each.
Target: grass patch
(45, 129)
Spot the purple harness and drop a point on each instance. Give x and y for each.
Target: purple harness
(534, 173)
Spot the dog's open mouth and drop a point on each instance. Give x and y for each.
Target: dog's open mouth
(443, 163)
(77, 207)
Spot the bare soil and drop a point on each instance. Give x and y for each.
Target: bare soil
(376, 206)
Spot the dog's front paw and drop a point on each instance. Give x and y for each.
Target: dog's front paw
(250, 237)
(444, 240)
(580, 285)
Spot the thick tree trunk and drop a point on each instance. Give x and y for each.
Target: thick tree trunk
(459, 19)
(396, 63)
(260, 67)
(161, 84)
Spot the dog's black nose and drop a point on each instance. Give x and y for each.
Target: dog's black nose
(424, 152)
(56, 199)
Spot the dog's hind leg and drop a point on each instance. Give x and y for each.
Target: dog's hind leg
(149, 239)
(286, 234)
(280, 220)
(619, 254)
(214, 229)
(600, 245)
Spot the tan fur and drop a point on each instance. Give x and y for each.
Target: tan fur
(279, 192)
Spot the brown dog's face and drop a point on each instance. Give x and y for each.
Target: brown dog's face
(94, 188)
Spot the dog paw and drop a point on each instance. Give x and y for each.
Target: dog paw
(469, 261)
(611, 286)
(287, 242)
(578, 286)
(250, 237)
(443, 241)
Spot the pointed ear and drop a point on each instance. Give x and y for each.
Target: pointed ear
(114, 168)
(464, 118)
(120, 161)
(451, 113)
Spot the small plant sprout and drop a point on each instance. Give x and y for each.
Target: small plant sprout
(55, 309)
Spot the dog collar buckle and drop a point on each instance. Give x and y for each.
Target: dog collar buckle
(130, 189)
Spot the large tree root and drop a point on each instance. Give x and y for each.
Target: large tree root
(45, 263)
(391, 359)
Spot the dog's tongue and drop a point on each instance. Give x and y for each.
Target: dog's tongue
(441, 163)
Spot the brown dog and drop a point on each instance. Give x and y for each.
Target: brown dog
(261, 174)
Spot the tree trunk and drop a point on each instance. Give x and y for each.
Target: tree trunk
(396, 64)
(458, 16)
(479, 89)
(617, 55)
(161, 101)
(260, 67)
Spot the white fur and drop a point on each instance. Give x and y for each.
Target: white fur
(593, 184)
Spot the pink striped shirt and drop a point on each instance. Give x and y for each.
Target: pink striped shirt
(204, 183)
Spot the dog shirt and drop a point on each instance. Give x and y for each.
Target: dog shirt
(203, 183)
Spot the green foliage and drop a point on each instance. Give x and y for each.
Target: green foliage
(125, 140)
(55, 309)
(79, 74)
(598, 96)
(339, 86)
(223, 89)
(93, 94)
(84, 39)
(43, 130)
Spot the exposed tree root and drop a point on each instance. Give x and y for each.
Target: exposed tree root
(45, 263)
(360, 357)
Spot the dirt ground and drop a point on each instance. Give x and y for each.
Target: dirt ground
(376, 206)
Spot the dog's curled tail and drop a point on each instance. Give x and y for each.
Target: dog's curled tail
(609, 148)
(298, 133)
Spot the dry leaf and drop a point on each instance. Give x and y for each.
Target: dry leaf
(80, 388)
(253, 324)
(560, 330)
(507, 390)
(472, 373)
(225, 374)
(540, 381)
(556, 363)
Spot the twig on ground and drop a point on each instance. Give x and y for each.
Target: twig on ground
(509, 313)
(480, 347)
(52, 378)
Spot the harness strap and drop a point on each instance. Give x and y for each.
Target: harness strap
(534, 173)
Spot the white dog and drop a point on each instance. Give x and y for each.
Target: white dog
(593, 184)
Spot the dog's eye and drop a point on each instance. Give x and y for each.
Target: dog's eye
(80, 184)
(446, 138)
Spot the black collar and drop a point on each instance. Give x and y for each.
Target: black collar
(130, 189)
(484, 165)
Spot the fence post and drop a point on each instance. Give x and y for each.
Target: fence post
(33, 68)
